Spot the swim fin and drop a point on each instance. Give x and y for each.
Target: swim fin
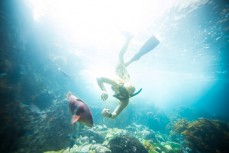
(149, 45)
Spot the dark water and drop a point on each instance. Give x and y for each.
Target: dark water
(187, 113)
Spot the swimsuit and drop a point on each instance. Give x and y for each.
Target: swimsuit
(123, 93)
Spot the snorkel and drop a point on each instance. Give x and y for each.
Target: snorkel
(124, 94)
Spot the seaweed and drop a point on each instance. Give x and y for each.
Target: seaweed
(205, 135)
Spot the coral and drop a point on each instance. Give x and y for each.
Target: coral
(149, 146)
(168, 147)
(59, 151)
(205, 135)
(92, 135)
(126, 144)
(97, 148)
(90, 148)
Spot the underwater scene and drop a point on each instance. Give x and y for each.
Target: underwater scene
(114, 76)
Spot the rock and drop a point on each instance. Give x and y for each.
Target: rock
(168, 147)
(126, 144)
(93, 136)
(85, 148)
(98, 148)
(75, 148)
(84, 140)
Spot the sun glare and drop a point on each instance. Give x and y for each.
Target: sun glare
(96, 25)
(98, 17)
(85, 19)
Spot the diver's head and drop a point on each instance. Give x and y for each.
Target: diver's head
(129, 87)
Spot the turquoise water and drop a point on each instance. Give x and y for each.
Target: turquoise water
(50, 49)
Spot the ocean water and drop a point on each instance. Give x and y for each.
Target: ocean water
(49, 48)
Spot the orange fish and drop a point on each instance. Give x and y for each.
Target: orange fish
(80, 111)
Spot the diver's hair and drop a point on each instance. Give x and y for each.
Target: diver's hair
(130, 88)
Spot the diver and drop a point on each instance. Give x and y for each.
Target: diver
(121, 85)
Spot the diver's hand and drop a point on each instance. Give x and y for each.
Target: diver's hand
(106, 112)
(104, 95)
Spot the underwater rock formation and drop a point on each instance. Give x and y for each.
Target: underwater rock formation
(88, 148)
(205, 135)
(30, 86)
(48, 130)
(93, 135)
(126, 144)
(120, 140)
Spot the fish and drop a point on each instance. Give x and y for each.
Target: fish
(79, 110)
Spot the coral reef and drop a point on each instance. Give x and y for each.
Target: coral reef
(102, 139)
(168, 147)
(89, 148)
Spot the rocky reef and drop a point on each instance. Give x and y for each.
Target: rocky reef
(204, 135)
(134, 138)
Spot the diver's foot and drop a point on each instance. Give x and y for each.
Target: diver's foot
(127, 34)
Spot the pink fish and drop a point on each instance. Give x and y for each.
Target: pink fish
(80, 111)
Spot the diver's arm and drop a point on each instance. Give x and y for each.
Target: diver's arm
(119, 108)
(106, 112)
(101, 82)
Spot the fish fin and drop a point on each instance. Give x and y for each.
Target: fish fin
(75, 118)
(69, 94)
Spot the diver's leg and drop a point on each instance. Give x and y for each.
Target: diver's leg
(124, 49)
(121, 68)
(128, 36)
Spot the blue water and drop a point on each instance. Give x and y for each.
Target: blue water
(44, 57)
